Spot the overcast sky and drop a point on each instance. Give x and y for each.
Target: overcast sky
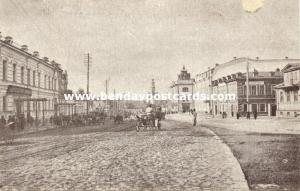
(133, 41)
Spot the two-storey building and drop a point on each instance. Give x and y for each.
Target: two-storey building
(288, 93)
(260, 98)
(29, 85)
(203, 85)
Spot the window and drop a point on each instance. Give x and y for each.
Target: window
(252, 90)
(49, 82)
(33, 78)
(273, 91)
(55, 84)
(245, 108)
(245, 90)
(14, 72)
(288, 96)
(281, 97)
(295, 95)
(262, 107)
(52, 85)
(45, 81)
(4, 99)
(185, 89)
(39, 79)
(28, 76)
(22, 75)
(4, 71)
(261, 90)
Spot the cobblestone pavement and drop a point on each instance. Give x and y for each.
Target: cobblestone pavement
(180, 157)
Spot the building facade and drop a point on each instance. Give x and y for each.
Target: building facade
(183, 85)
(203, 85)
(260, 98)
(225, 73)
(288, 93)
(29, 85)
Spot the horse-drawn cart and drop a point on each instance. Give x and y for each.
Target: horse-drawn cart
(147, 122)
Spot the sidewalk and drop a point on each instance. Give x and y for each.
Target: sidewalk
(261, 125)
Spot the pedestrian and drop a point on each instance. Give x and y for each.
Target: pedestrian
(255, 115)
(195, 117)
(3, 120)
(237, 115)
(248, 115)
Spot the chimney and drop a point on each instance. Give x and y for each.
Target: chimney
(46, 59)
(24, 47)
(53, 62)
(277, 70)
(35, 54)
(257, 58)
(8, 39)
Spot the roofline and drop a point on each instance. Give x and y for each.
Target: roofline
(3, 43)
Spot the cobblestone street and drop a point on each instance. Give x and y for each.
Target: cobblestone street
(180, 157)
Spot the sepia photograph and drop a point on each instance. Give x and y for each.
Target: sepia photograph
(149, 95)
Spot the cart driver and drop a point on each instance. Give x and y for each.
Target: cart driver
(149, 110)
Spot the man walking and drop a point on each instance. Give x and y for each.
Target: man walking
(195, 117)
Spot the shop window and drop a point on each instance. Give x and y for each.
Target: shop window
(262, 107)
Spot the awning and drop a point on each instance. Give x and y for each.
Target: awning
(17, 90)
(30, 99)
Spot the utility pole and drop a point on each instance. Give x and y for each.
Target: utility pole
(247, 84)
(87, 61)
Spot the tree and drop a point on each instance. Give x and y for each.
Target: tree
(80, 91)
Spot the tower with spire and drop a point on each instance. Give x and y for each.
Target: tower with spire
(183, 85)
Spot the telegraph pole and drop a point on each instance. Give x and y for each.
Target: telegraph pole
(247, 84)
(88, 61)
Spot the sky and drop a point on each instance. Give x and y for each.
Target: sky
(133, 41)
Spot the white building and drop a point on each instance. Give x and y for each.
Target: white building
(288, 93)
(29, 85)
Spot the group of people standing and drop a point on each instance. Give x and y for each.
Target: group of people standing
(13, 121)
(248, 115)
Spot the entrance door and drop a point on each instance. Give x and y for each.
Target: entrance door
(19, 107)
(254, 107)
(185, 107)
(273, 110)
